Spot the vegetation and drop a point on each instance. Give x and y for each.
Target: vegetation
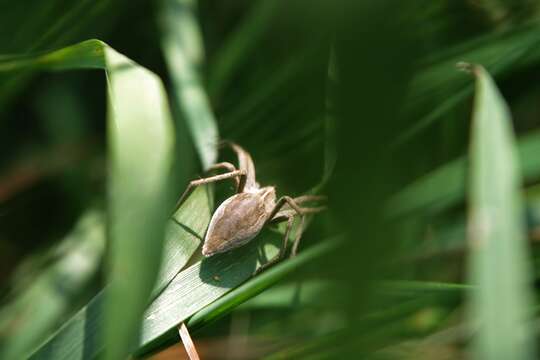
(418, 121)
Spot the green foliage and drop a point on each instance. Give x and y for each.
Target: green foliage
(182, 47)
(499, 259)
(82, 336)
(30, 318)
(427, 249)
(138, 120)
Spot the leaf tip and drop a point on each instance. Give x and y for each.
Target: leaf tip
(468, 67)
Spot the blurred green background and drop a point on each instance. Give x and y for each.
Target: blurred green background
(357, 100)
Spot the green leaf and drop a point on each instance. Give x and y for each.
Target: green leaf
(140, 142)
(260, 283)
(140, 149)
(203, 283)
(85, 55)
(183, 50)
(29, 318)
(497, 240)
(81, 337)
(190, 292)
(184, 234)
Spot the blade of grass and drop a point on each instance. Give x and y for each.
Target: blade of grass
(199, 285)
(203, 283)
(190, 291)
(29, 318)
(256, 285)
(140, 148)
(498, 262)
(184, 234)
(81, 337)
(140, 143)
(183, 50)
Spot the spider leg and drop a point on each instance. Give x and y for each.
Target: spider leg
(240, 180)
(194, 183)
(283, 214)
(285, 200)
(245, 163)
(283, 248)
(308, 198)
(286, 203)
(279, 214)
(298, 235)
(304, 199)
(223, 165)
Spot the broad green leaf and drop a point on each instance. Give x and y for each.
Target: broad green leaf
(185, 232)
(32, 315)
(445, 186)
(205, 282)
(140, 148)
(81, 336)
(140, 142)
(498, 261)
(190, 292)
(183, 50)
(257, 285)
(199, 285)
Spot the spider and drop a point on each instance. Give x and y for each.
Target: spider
(243, 215)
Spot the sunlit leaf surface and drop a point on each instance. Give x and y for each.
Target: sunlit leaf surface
(500, 307)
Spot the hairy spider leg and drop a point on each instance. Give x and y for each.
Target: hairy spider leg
(244, 176)
(227, 166)
(245, 162)
(194, 183)
(278, 215)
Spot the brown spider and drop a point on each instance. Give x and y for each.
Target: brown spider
(242, 216)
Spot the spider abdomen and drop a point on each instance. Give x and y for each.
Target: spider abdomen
(238, 220)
